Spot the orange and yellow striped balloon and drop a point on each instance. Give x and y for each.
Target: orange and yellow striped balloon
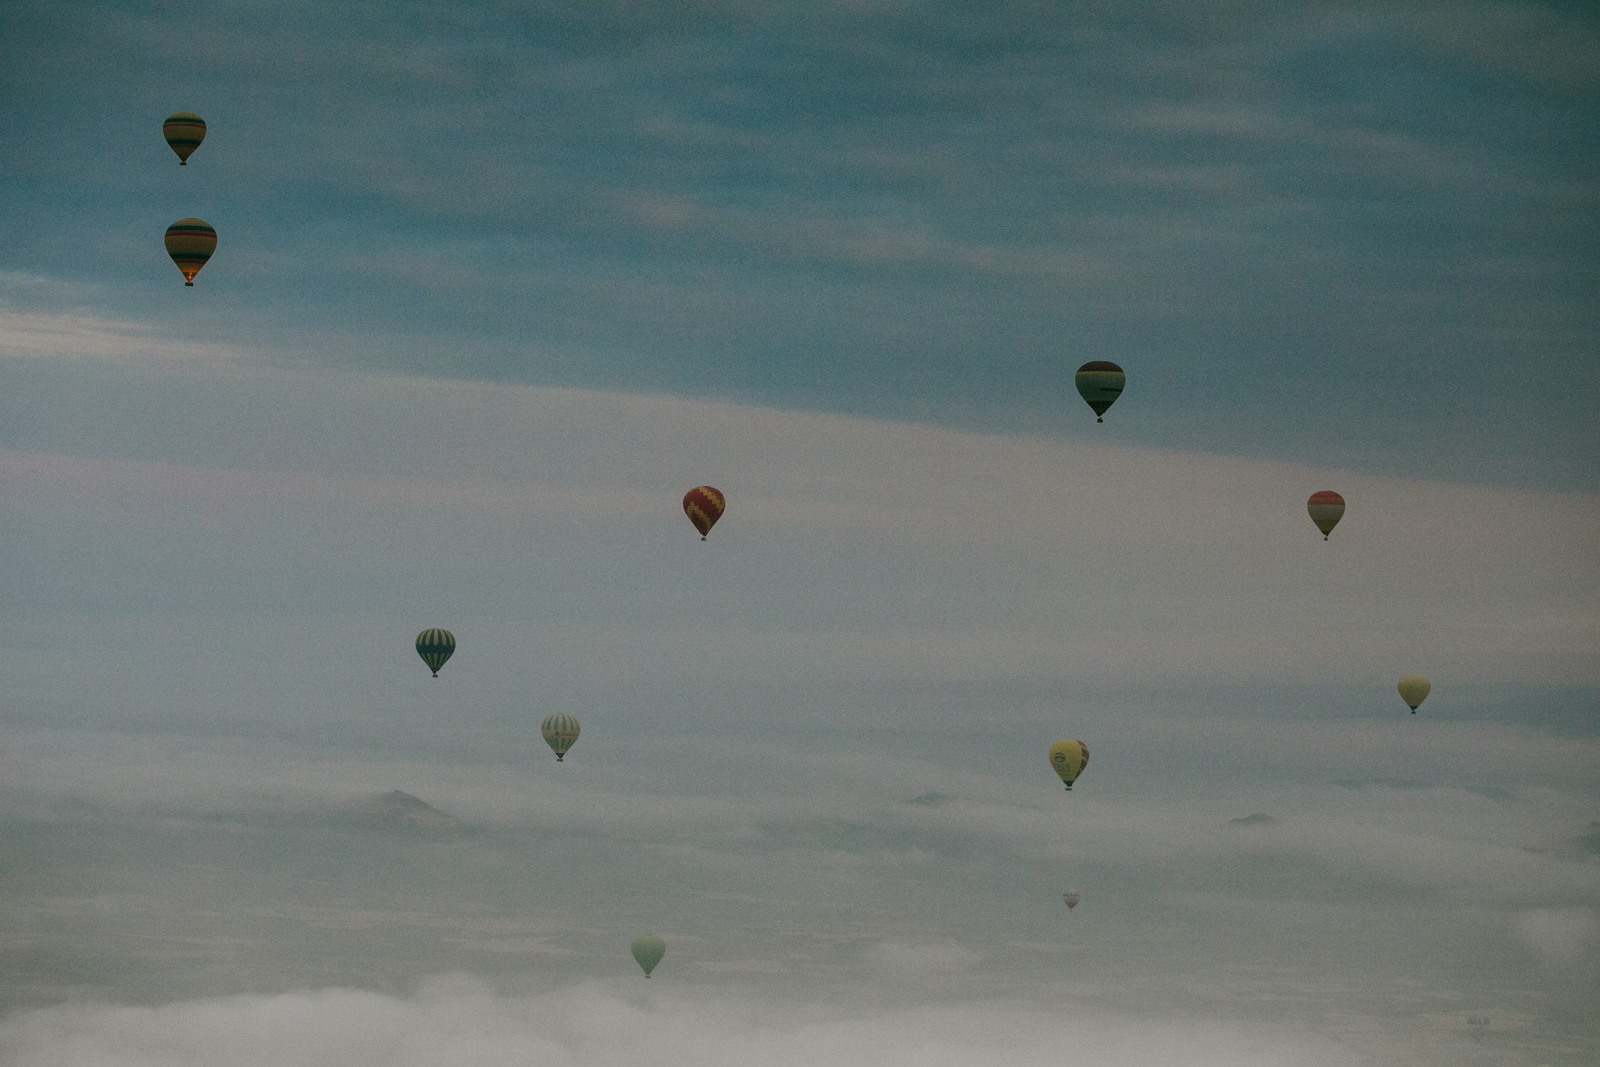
(190, 243)
(704, 506)
(184, 131)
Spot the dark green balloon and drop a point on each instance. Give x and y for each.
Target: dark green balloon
(1099, 382)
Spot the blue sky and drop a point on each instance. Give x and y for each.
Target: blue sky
(497, 283)
(1352, 234)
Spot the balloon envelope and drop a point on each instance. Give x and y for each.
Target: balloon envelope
(1068, 758)
(1071, 899)
(184, 131)
(560, 732)
(704, 506)
(435, 646)
(190, 243)
(1414, 689)
(1099, 382)
(1326, 508)
(648, 950)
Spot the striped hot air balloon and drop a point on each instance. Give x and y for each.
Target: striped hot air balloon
(1326, 508)
(184, 131)
(704, 506)
(1068, 758)
(190, 243)
(1099, 382)
(560, 733)
(435, 646)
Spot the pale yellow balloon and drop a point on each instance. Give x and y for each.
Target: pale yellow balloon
(1414, 689)
(1068, 758)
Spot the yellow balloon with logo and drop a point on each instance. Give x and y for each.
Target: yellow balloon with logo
(1068, 758)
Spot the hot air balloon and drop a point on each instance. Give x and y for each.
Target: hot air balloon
(704, 506)
(648, 950)
(184, 131)
(1099, 383)
(1478, 1023)
(1326, 508)
(190, 243)
(560, 733)
(435, 646)
(1070, 899)
(1068, 758)
(1414, 689)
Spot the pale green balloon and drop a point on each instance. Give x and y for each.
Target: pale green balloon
(1414, 690)
(648, 950)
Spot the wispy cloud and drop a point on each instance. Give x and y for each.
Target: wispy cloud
(457, 1020)
(44, 334)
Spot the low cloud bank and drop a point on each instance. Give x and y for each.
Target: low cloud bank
(457, 1020)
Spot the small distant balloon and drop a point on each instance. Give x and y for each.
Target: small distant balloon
(1414, 689)
(435, 646)
(1099, 382)
(560, 732)
(648, 950)
(1070, 899)
(1326, 508)
(190, 243)
(704, 506)
(184, 131)
(1068, 758)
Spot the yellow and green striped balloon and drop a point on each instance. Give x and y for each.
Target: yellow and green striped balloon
(1068, 758)
(1099, 382)
(435, 646)
(184, 130)
(560, 733)
(190, 243)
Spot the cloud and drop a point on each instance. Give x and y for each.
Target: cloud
(1560, 935)
(855, 550)
(920, 959)
(43, 334)
(457, 1020)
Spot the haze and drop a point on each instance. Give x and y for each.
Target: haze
(496, 283)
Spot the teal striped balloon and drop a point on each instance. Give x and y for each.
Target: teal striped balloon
(435, 646)
(560, 733)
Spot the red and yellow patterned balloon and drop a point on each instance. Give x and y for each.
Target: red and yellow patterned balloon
(1326, 508)
(704, 506)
